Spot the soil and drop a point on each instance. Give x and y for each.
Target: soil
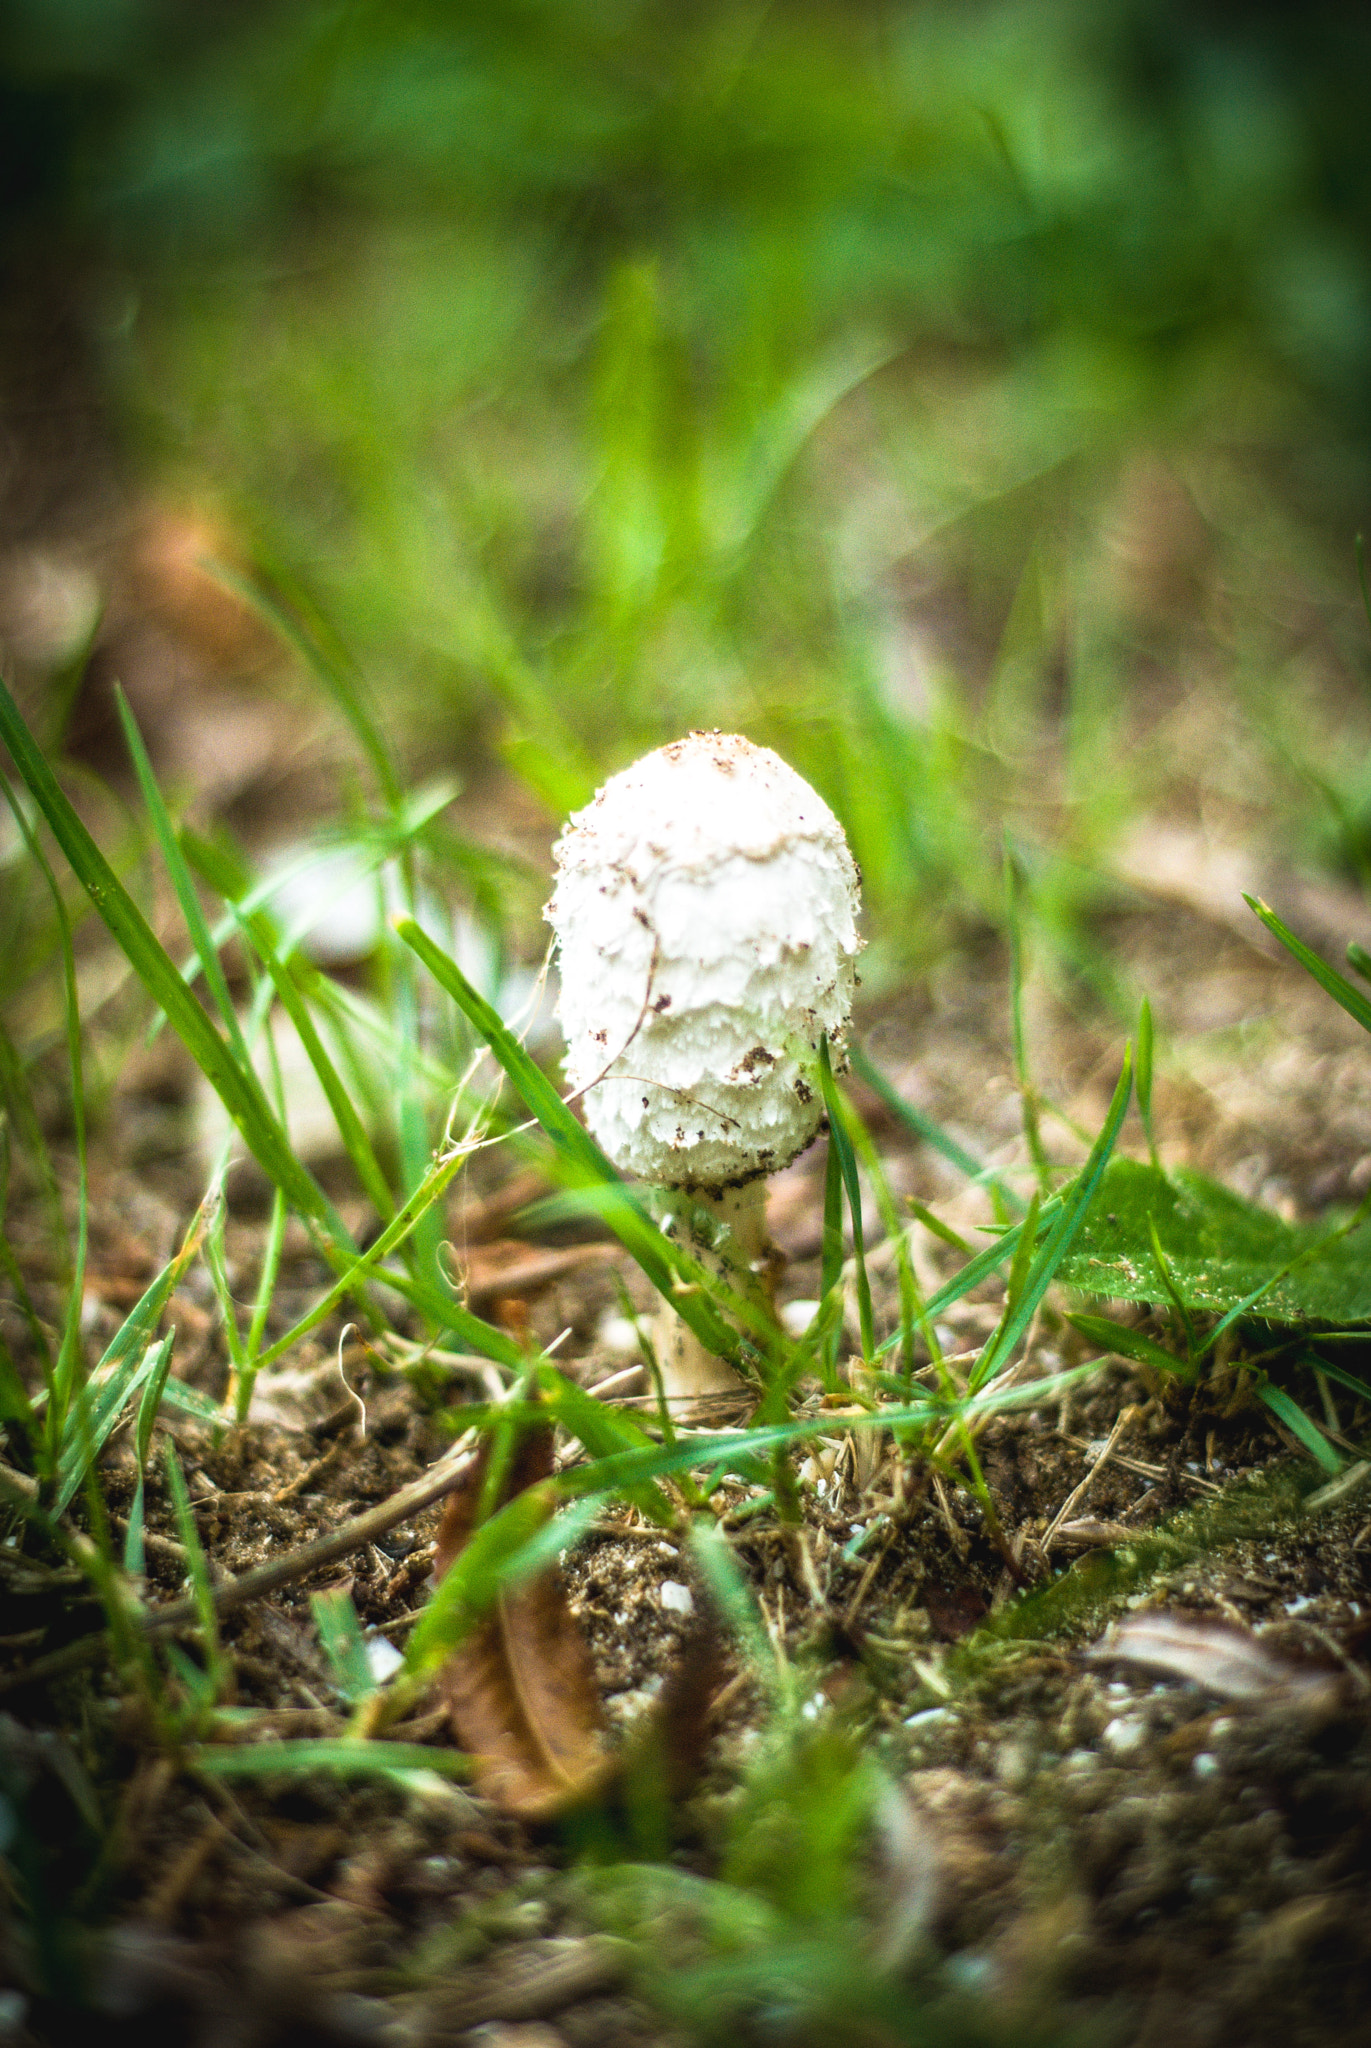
(1102, 1847)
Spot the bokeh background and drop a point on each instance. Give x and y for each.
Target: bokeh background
(970, 400)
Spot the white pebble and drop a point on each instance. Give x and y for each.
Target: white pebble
(383, 1659)
(676, 1598)
(1124, 1735)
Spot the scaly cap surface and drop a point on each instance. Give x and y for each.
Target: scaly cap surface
(706, 915)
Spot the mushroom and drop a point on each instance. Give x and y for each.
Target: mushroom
(705, 910)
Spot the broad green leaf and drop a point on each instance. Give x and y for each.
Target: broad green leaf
(1219, 1249)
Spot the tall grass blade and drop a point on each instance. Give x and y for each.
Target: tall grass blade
(1348, 998)
(237, 1086)
(205, 950)
(330, 665)
(664, 1264)
(286, 979)
(159, 1360)
(841, 1143)
(1027, 1092)
(121, 1370)
(1057, 1242)
(404, 1763)
(68, 1369)
(340, 1633)
(1144, 1081)
(197, 1570)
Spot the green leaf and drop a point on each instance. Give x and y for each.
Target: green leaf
(1219, 1248)
(340, 1633)
(160, 1367)
(94, 1414)
(289, 981)
(918, 1121)
(1144, 1080)
(191, 911)
(302, 628)
(603, 1430)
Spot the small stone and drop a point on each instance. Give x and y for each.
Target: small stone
(1125, 1735)
(676, 1598)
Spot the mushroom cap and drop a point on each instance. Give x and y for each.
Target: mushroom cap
(706, 914)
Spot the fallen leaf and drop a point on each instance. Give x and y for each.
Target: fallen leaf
(1213, 1654)
(520, 1689)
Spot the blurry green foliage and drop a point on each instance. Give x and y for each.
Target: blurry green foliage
(607, 369)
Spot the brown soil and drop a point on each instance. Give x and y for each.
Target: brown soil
(1114, 1847)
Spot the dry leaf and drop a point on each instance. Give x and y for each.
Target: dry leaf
(521, 1690)
(1213, 1654)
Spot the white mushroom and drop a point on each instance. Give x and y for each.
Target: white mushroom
(706, 915)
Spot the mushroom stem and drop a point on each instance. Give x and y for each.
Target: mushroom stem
(724, 1231)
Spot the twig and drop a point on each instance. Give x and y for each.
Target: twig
(1078, 1494)
(231, 1594)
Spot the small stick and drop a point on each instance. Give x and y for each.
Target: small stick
(265, 1578)
(1078, 1494)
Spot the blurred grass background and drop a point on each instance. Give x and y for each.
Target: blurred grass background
(970, 400)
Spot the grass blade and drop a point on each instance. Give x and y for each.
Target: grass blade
(236, 1085)
(1348, 998)
(1289, 1411)
(1059, 1237)
(841, 1143)
(165, 833)
(159, 1366)
(1028, 1095)
(197, 1570)
(1144, 1080)
(400, 1761)
(340, 1633)
(257, 928)
(69, 1366)
(664, 1264)
(330, 665)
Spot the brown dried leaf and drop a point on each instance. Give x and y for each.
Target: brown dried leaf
(521, 1690)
